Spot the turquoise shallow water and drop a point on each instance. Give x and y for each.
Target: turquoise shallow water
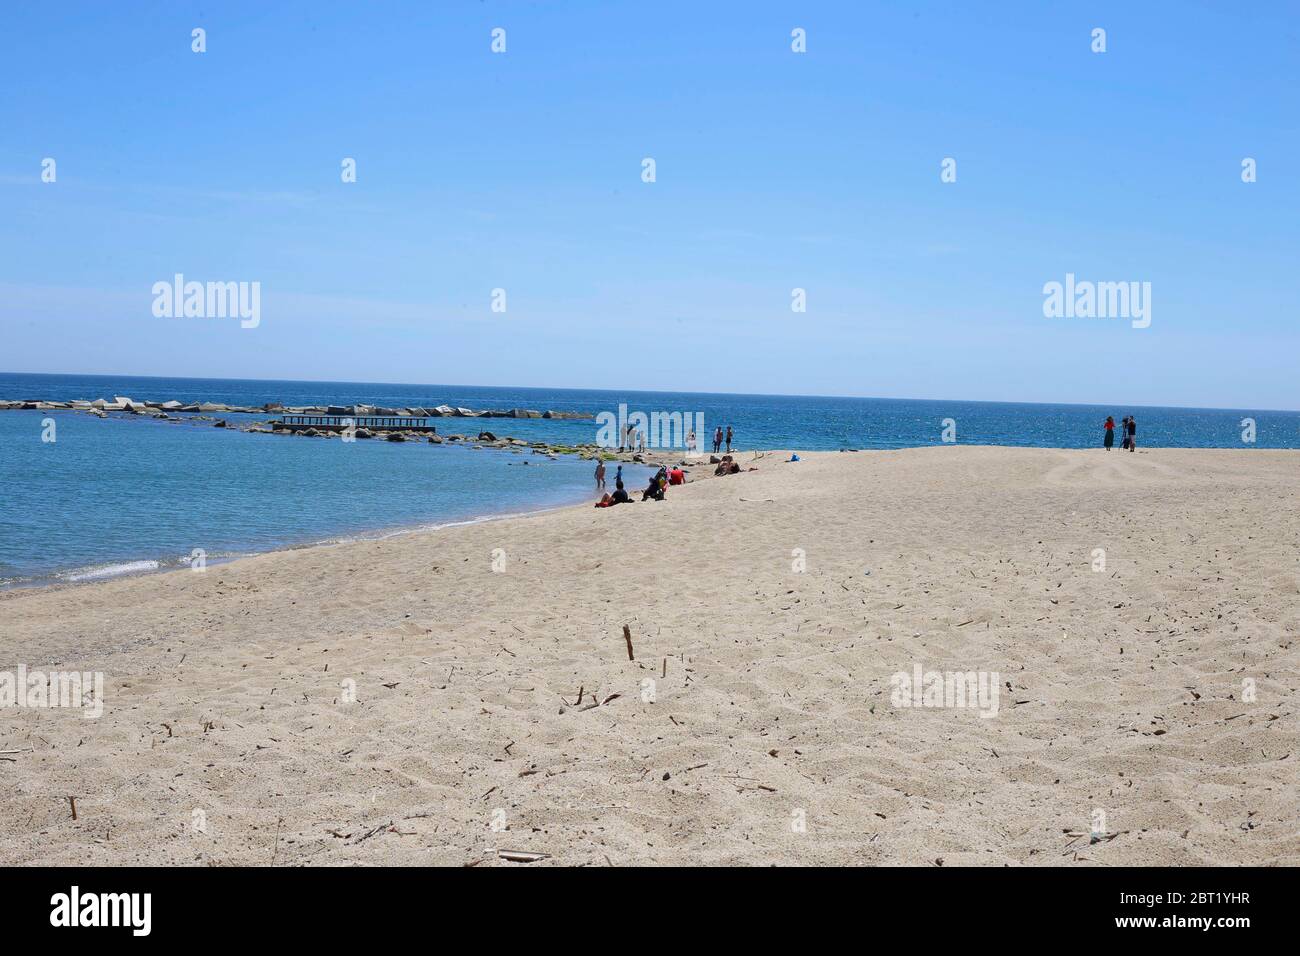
(122, 494)
(116, 494)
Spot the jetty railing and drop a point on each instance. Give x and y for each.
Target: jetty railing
(414, 423)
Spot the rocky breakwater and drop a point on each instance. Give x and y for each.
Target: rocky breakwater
(216, 414)
(121, 403)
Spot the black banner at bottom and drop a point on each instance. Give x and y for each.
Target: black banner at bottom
(1217, 905)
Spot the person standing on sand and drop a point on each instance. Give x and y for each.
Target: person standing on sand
(1110, 432)
(730, 433)
(717, 440)
(1132, 433)
(600, 474)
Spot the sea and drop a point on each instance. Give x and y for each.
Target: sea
(126, 494)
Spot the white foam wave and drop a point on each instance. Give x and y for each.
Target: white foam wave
(110, 570)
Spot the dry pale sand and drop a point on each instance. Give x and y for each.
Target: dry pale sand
(223, 689)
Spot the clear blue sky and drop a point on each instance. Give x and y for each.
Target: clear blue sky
(775, 170)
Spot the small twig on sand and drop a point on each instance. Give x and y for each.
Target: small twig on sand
(73, 802)
(627, 636)
(365, 836)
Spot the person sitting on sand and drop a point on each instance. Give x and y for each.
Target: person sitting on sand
(619, 497)
(655, 490)
(727, 467)
(676, 476)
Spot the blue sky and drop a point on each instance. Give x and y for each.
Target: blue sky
(775, 170)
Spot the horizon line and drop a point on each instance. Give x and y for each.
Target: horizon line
(576, 388)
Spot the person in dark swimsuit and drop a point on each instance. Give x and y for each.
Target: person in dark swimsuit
(655, 490)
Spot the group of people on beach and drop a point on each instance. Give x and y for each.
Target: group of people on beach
(633, 440)
(654, 491)
(1129, 428)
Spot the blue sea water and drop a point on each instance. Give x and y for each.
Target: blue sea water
(123, 493)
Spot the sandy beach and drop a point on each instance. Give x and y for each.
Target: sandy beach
(1146, 709)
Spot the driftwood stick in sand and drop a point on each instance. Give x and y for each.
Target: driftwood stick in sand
(627, 636)
(73, 802)
(521, 856)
